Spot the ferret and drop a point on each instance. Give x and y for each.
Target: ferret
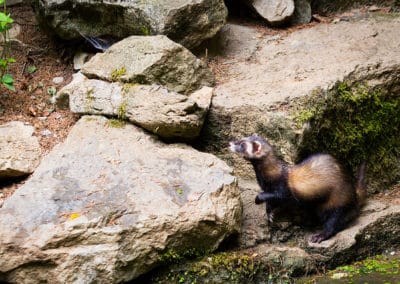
(318, 183)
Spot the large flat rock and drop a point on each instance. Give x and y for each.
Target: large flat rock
(108, 203)
(284, 68)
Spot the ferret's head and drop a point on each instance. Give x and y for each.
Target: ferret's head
(253, 147)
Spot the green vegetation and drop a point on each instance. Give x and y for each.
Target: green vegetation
(380, 263)
(230, 267)
(121, 111)
(377, 269)
(354, 123)
(5, 58)
(116, 123)
(172, 256)
(116, 74)
(145, 30)
(223, 267)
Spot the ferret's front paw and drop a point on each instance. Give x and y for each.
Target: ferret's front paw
(317, 238)
(258, 200)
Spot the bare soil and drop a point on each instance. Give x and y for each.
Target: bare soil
(31, 102)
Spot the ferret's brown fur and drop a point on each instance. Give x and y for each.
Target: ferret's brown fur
(318, 182)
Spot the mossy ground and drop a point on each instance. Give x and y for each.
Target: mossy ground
(222, 267)
(355, 122)
(377, 269)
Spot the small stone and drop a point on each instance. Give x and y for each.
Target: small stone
(46, 132)
(58, 80)
(373, 8)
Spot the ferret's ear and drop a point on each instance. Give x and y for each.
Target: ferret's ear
(254, 134)
(256, 148)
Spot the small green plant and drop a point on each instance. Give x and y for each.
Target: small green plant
(116, 74)
(31, 69)
(5, 25)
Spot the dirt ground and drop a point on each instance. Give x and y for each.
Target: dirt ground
(40, 59)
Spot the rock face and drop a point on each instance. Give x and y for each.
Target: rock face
(275, 12)
(19, 150)
(258, 95)
(150, 60)
(170, 115)
(184, 21)
(110, 203)
(264, 253)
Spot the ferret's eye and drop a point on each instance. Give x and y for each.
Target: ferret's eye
(242, 146)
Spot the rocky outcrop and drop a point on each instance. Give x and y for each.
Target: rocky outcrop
(19, 150)
(275, 12)
(186, 22)
(265, 253)
(148, 80)
(258, 95)
(170, 115)
(150, 60)
(112, 203)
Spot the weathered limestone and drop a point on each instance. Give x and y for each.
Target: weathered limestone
(275, 12)
(259, 95)
(265, 251)
(150, 60)
(184, 21)
(19, 150)
(109, 203)
(170, 115)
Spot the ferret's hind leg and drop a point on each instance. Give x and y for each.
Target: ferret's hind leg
(335, 221)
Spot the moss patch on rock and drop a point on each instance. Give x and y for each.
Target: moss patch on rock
(233, 267)
(355, 122)
(377, 269)
(226, 267)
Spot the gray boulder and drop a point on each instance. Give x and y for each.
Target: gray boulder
(150, 60)
(109, 204)
(184, 21)
(19, 150)
(168, 114)
(275, 12)
(302, 12)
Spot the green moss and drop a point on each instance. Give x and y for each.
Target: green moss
(145, 30)
(377, 269)
(380, 263)
(116, 74)
(121, 111)
(225, 267)
(172, 256)
(354, 123)
(116, 123)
